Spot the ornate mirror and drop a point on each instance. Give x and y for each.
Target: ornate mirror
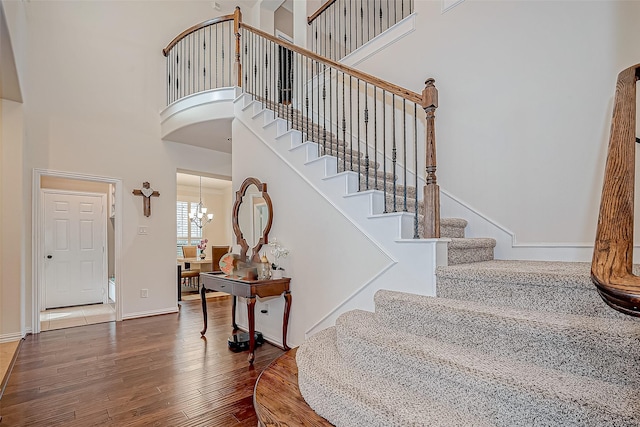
(252, 217)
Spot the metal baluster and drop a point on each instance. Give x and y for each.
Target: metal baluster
(384, 147)
(404, 149)
(265, 63)
(350, 21)
(416, 234)
(361, 34)
(324, 109)
(394, 151)
(210, 62)
(222, 56)
(366, 134)
(337, 13)
(358, 138)
(204, 61)
(312, 98)
(368, 26)
(375, 134)
(196, 64)
(388, 15)
(344, 19)
(230, 54)
(314, 27)
(306, 95)
(351, 125)
(274, 75)
(344, 129)
(245, 63)
(290, 68)
(381, 30)
(395, 12)
(255, 67)
(178, 72)
(330, 111)
(190, 79)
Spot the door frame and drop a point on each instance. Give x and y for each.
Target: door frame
(37, 229)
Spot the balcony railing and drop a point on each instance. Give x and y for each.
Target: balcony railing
(341, 26)
(201, 58)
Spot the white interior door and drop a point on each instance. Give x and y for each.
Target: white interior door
(74, 249)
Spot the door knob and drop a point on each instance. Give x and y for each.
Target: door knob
(49, 256)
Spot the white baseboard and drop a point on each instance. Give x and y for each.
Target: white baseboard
(169, 310)
(15, 336)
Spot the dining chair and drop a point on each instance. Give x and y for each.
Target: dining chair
(188, 276)
(216, 253)
(189, 251)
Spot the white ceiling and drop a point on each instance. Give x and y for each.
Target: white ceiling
(212, 134)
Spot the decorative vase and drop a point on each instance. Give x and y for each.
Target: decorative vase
(277, 274)
(203, 255)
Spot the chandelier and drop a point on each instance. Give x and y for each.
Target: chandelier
(200, 217)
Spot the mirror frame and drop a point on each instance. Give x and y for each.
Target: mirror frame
(264, 239)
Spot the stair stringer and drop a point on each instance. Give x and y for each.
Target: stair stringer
(413, 261)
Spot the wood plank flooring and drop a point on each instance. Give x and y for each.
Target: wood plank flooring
(278, 401)
(141, 372)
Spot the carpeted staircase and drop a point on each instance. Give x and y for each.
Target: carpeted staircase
(461, 249)
(505, 343)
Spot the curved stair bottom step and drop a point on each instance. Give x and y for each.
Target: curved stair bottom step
(504, 391)
(350, 397)
(277, 399)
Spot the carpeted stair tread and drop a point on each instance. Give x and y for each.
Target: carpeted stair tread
(471, 243)
(572, 274)
(452, 227)
(563, 342)
(546, 286)
(470, 250)
(503, 390)
(349, 397)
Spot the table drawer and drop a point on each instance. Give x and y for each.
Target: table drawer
(215, 284)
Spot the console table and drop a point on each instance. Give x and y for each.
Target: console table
(249, 289)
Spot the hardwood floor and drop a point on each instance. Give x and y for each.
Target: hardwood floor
(278, 401)
(150, 371)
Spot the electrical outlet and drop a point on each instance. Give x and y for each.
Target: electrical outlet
(144, 293)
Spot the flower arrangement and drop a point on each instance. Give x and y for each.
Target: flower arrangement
(278, 251)
(202, 246)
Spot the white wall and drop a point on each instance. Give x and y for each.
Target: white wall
(526, 93)
(13, 221)
(329, 257)
(93, 85)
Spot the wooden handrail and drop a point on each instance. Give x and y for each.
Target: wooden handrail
(382, 84)
(319, 11)
(195, 28)
(611, 267)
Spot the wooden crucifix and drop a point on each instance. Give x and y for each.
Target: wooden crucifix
(146, 192)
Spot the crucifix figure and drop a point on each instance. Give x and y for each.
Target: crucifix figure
(146, 192)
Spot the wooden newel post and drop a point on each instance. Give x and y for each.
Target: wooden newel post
(431, 189)
(237, 19)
